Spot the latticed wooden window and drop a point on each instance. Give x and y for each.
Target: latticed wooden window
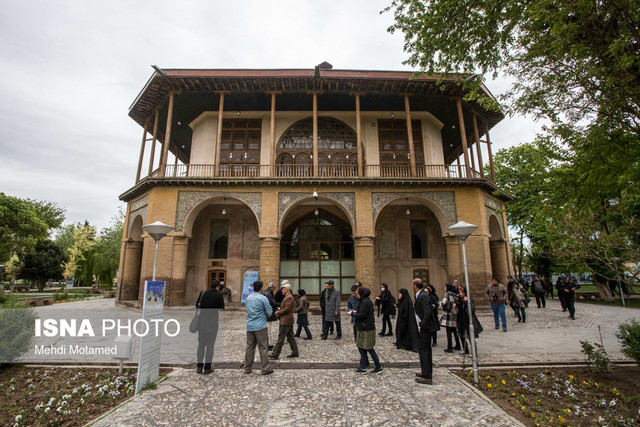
(240, 141)
(337, 143)
(394, 142)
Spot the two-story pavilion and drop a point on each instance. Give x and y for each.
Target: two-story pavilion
(237, 155)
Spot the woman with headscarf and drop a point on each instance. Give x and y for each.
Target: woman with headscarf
(385, 303)
(406, 325)
(463, 320)
(435, 303)
(449, 305)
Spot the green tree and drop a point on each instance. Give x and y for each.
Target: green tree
(13, 267)
(570, 61)
(43, 263)
(20, 226)
(52, 214)
(83, 240)
(524, 173)
(106, 252)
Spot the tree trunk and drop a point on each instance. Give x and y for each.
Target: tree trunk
(603, 289)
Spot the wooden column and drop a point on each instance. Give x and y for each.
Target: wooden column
(167, 136)
(144, 141)
(358, 136)
(463, 136)
(216, 161)
(155, 139)
(486, 133)
(315, 134)
(472, 157)
(274, 144)
(476, 136)
(412, 154)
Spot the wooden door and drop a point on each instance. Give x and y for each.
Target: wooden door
(219, 275)
(422, 273)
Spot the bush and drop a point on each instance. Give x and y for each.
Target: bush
(629, 336)
(17, 328)
(597, 357)
(60, 295)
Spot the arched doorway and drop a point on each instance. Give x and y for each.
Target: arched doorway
(224, 244)
(337, 149)
(409, 243)
(316, 246)
(498, 250)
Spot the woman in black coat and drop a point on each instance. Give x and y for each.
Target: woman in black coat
(385, 303)
(406, 325)
(366, 327)
(463, 320)
(435, 303)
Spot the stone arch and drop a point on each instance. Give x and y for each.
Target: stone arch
(135, 228)
(495, 229)
(321, 198)
(444, 221)
(212, 200)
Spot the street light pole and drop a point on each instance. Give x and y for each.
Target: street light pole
(157, 231)
(463, 230)
(472, 333)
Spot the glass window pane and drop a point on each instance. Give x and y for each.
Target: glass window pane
(330, 268)
(289, 268)
(346, 285)
(329, 251)
(309, 268)
(311, 286)
(294, 285)
(348, 268)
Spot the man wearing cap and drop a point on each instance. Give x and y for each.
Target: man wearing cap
(286, 324)
(332, 310)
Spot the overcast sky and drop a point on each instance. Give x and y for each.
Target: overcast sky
(71, 69)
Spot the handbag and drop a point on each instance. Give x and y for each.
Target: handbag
(195, 322)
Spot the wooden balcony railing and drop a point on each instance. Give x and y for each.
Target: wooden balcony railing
(324, 171)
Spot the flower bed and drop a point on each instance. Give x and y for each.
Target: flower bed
(564, 396)
(60, 396)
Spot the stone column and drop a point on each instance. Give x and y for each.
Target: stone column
(365, 260)
(478, 263)
(177, 284)
(130, 280)
(269, 259)
(499, 260)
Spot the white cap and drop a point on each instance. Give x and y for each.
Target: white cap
(286, 285)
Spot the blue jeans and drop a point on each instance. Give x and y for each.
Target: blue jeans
(364, 360)
(498, 310)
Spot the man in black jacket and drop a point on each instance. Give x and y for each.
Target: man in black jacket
(426, 318)
(209, 302)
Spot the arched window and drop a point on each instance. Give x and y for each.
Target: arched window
(337, 146)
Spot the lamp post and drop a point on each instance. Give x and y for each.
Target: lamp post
(157, 231)
(463, 230)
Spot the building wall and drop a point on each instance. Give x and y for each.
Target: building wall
(184, 268)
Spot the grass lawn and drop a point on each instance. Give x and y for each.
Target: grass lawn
(564, 396)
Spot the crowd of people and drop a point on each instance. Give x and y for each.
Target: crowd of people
(419, 317)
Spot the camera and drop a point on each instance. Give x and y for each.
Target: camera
(494, 297)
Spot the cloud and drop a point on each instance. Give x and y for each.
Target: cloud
(71, 69)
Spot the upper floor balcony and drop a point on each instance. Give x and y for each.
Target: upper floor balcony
(322, 124)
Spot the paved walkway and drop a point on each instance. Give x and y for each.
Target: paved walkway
(339, 396)
(308, 398)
